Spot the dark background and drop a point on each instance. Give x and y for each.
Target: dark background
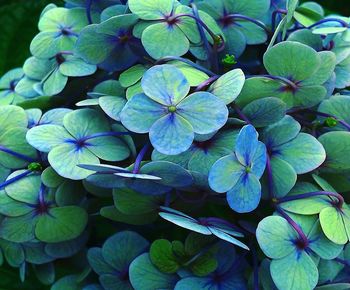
(19, 18)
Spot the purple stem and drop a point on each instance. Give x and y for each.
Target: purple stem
(312, 194)
(198, 20)
(18, 155)
(203, 36)
(341, 22)
(341, 261)
(295, 226)
(206, 83)
(274, 17)
(345, 124)
(88, 10)
(41, 195)
(252, 20)
(282, 79)
(139, 158)
(240, 114)
(14, 179)
(187, 61)
(269, 177)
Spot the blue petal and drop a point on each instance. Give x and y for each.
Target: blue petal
(246, 194)
(259, 160)
(246, 145)
(171, 134)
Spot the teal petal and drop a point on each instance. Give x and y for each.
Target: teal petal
(11, 117)
(292, 59)
(245, 195)
(151, 10)
(145, 276)
(171, 134)
(304, 153)
(76, 67)
(165, 84)
(173, 41)
(228, 86)
(225, 173)
(275, 237)
(18, 229)
(140, 113)
(205, 112)
(65, 158)
(281, 132)
(265, 111)
(54, 83)
(85, 122)
(297, 271)
(321, 245)
(46, 137)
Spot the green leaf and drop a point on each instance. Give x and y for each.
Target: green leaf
(61, 224)
(162, 256)
(306, 16)
(204, 265)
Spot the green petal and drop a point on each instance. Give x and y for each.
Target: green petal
(65, 158)
(18, 229)
(333, 224)
(309, 96)
(76, 67)
(132, 75)
(297, 271)
(275, 237)
(205, 112)
(55, 83)
(12, 116)
(171, 134)
(160, 40)
(228, 86)
(165, 84)
(292, 60)
(326, 69)
(61, 224)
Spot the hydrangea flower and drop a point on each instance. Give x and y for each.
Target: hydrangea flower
(84, 138)
(59, 30)
(8, 82)
(110, 44)
(238, 174)
(168, 114)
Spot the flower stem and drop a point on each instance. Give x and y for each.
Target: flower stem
(88, 10)
(16, 154)
(240, 114)
(312, 194)
(269, 177)
(252, 20)
(295, 226)
(274, 17)
(187, 61)
(341, 22)
(139, 158)
(14, 179)
(206, 83)
(345, 124)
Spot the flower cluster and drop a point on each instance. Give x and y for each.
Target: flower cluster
(173, 144)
